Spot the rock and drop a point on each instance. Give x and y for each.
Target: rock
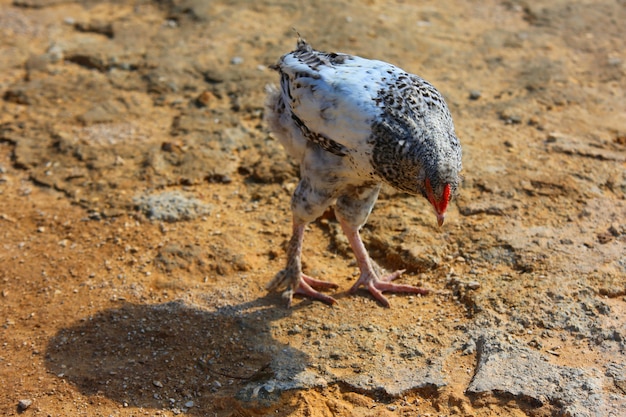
(287, 372)
(55, 53)
(22, 405)
(95, 26)
(198, 10)
(90, 60)
(506, 369)
(37, 4)
(171, 206)
(469, 347)
(474, 94)
(406, 363)
(107, 111)
(395, 378)
(473, 285)
(295, 330)
(511, 116)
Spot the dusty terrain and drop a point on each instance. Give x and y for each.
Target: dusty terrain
(144, 206)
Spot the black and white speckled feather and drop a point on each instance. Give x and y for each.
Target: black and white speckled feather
(391, 125)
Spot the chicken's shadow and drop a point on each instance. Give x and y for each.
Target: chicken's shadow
(179, 356)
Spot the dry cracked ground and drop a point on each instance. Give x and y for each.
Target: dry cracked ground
(144, 206)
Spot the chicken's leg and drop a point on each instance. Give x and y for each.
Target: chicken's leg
(292, 276)
(352, 211)
(370, 277)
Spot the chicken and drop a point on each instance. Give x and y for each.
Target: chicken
(354, 124)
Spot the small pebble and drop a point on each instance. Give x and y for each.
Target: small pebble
(55, 53)
(474, 94)
(237, 60)
(203, 100)
(510, 116)
(553, 137)
(295, 330)
(515, 119)
(157, 384)
(22, 405)
(615, 61)
(473, 285)
(189, 404)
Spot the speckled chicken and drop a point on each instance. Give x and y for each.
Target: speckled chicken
(353, 124)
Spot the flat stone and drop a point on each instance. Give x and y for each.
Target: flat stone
(401, 367)
(505, 369)
(171, 206)
(288, 372)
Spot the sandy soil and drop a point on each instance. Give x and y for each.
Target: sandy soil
(144, 206)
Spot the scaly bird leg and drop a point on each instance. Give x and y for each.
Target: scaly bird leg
(370, 277)
(292, 276)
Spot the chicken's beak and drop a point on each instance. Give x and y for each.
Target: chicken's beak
(440, 219)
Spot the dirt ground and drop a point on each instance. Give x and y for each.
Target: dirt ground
(144, 206)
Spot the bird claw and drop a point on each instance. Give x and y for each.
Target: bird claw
(376, 285)
(392, 276)
(306, 286)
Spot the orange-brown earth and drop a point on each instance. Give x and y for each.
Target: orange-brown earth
(144, 206)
